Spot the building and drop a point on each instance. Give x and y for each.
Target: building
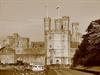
(16, 48)
(7, 55)
(76, 38)
(22, 43)
(35, 54)
(58, 48)
(57, 40)
(17, 42)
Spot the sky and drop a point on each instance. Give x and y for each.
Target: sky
(26, 16)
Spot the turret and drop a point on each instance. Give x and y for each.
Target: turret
(65, 22)
(47, 24)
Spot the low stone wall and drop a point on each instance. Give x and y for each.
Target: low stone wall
(94, 70)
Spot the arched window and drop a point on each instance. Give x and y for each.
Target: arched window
(62, 27)
(57, 61)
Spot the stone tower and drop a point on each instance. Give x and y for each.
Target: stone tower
(75, 31)
(57, 40)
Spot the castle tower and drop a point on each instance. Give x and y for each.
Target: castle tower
(75, 31)
(47, 24)
(57, 40)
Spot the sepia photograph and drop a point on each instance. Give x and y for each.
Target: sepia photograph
(49, 37)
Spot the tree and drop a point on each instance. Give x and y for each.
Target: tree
(88, 53)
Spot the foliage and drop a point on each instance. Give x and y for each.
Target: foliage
(88, 53)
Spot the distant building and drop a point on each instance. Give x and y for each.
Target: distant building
(18, 43)
(76, 38)
(23, 43)
(7, 55)
(36, 54)
(16, 48)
